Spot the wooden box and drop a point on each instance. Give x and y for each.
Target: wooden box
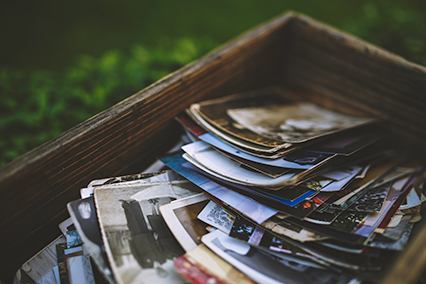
(325, 65)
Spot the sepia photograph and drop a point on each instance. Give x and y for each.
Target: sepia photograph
(181, 217)
(269, 119)
(214, 112)
(293, 123)
(247, 146)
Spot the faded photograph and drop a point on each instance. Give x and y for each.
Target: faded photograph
(293, 123)
(181, 218)
(139, 244)
(83, 213)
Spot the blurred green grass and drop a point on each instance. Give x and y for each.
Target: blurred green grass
(82, 58)
(37, 106)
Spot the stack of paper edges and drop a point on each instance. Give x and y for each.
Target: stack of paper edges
(266, 188)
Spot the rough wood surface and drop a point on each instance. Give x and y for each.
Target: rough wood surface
(411, 264)
(343, 72)
(332, 65)
(35, 188)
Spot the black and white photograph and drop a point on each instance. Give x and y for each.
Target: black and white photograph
(83, 213)
(157, 176)
(80, 270)
(66, 225)
(138, 243)
(216, 216)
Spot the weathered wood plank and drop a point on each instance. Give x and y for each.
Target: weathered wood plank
(341, 68)
(411, 263)
(35, 188)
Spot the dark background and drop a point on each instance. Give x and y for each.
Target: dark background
(50, 34)
(64, 61)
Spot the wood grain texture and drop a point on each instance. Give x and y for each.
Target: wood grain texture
(411, 264)
(318, 62)
(342, 72)
(334, 66)
(121, 140)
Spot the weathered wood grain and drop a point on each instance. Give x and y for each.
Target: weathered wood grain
(333, 65)
(35, 188)
(343, 72)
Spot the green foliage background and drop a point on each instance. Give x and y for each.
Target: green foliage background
(82, 68)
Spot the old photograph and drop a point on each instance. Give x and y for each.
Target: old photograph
(181, 217)
(139, 245)
(266, 268)
(83, 213)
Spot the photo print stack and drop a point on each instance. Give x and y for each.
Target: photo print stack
(263, 188)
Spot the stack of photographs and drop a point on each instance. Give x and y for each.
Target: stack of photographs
(123, 226)
(263, 188)
(316, 195)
